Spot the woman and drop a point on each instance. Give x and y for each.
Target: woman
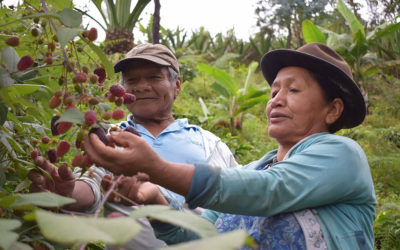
(314, 192)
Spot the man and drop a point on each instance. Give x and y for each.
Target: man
(151, 73)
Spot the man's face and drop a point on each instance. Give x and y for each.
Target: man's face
(155, 94)
(297, 108)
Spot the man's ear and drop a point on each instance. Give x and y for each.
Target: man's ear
(335, 111)
(177, 87)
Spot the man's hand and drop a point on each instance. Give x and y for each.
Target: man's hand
(59, 180)
(134, 190)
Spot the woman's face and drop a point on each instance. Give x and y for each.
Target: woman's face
(297, 108)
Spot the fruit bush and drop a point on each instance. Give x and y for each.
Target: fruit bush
(55, 87)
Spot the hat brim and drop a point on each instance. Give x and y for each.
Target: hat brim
(275, 60)
(122, 64)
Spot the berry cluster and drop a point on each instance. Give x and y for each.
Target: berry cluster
(78, 104)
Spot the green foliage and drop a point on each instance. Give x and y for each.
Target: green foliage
(118, 13)
(233, 99)
(387, 223)
(220, 82)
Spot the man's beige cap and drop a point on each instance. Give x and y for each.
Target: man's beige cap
(156, 53)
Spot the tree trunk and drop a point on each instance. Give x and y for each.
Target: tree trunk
(156, 22)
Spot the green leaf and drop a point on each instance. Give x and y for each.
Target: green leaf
(104, 106)
(225, 80)
(7, 236)
(351, 19)
(72, 115)
(103, 58)
(5, 78)
(23, 89)
(250, 103)
(188, 221)
(220, 89)
(70, 17)
(44, 14)
(251, 69)
(387, 30)
(11, 58)
(3, 113)
(311, 33)
(67, 229)
(44, 199)
(60, 4)
(226, 241)
(28, 75)
(64, 35)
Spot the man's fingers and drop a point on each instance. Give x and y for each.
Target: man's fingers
(97, 151)
(142, 177)
(36, 177)
(123, 139)
(106, 182)
(65, 173)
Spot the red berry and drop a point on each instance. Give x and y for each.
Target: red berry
(58, 93)
(34, 154)
(132, 130)
(51, 46)
(93, 101)
(12, 41)
(129, 98)
(90, 117)
(52, 155)
(85, 69)
(106, 115)
(45, 139)
(24, 63)
(92, 34)
(118, 114)
(77, 161)
(101, 72)
(53, 125)
(110, 97)
(70, 106)
(48, 60)
(94, 79)
(63, 127)
(119, 101)
(81, 77)
(63, 148)
(78, 143)
(117, 90)
(101, 133)
(54, 102)
(86, 161)
(35, 32)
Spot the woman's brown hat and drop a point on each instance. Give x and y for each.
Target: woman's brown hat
(320, 59)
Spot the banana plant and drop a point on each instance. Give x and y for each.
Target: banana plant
(233, 99)
(356, 47)
(119, 20)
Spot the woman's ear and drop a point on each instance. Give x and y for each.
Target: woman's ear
(335, 111)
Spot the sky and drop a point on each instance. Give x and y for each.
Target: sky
(215, 15)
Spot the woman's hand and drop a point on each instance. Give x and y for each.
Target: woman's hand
(136, 156)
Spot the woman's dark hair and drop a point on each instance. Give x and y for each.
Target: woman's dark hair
(330, 91)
